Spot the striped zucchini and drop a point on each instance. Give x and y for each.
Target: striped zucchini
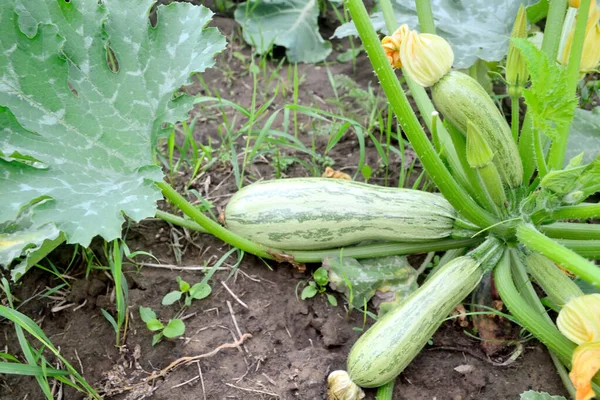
(318, 213)
(382, 352)
(461, 99)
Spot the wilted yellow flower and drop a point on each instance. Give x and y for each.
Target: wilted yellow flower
(391, 45)
(590, 57)
(341, 387)
(426, 58)
(574, 3)
(423, 56)
(579, 320)
(586, 362)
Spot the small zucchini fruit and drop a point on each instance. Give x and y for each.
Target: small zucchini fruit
(382, 352)
(320, 213)
(461, 99)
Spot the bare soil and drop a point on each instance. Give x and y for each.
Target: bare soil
(294, 344)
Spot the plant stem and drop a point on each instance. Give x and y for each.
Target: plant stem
(212, 227)
(434, 166)
(386, 391)
(425, 16)
(571, 230)
(529, 318)
(179, 221)
(540, 157)
(537, 241)
(383, 249)
(527, 148)
(528, 292)
(553, 30)
(556, 156)
(585, 248)
(514, 117)
(580, 211)
(388, 15)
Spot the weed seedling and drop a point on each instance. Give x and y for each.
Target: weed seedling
(318, 286)
(197, 292)
(175, 327)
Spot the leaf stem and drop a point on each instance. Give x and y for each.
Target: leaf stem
(386, 391)
(537, 241)
(531, 319)
(434, 166)
(580, 211)
(571, 230)
(179, 221)
(553, 30)
(514, 117)
(388, 15)
(556, 156)
(585, 248)
(425, 16)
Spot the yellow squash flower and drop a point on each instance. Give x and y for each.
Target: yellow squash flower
(590, 57)
(579, 321)
(586, 363)
(426, 58)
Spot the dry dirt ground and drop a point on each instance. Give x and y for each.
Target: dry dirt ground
(294, 344)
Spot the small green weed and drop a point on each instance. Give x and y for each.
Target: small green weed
(318, 286)
(175, 327)
(198, 291)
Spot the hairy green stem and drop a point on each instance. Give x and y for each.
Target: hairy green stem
(586, 248)
(433, 164)
(527, 148)
(388, 15)
(529, 318)
(528, 292)
(579, 211)
(179, 221)
(571, 230)
(514, 117)
(537, 241)
(553, 30)
(425, 16)
(556, 156)
(386, 391)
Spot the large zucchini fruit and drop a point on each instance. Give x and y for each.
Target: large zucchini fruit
(382, 352)
(320, 213)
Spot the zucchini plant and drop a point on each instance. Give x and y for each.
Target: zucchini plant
(87, 88)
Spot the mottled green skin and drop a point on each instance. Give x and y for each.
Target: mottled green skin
(320, 213)
(383, 352)
(461, 98)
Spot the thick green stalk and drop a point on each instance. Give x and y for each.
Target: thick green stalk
(425, 16)
(529, 318)
(434, 166)
(528, 292)
(553, 30)
(514, 117)
(556, 156)
(212, 227)
(179, 221)
(580, 211)
(386, 391)
(382, 249)
(586, 248)
(537, 241)
(527, 149)
(388, 15)
(571, 230)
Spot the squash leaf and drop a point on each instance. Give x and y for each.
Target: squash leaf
(531, 395)
(584, 136)
(549, 102)
(288, 23)
(77, 133)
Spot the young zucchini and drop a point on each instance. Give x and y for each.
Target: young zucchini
(382, 352)
(318, 213)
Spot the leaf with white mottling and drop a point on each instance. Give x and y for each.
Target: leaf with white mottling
(288, 23)
(531, 395)
(585, 135)
(476, 29)
(91, 130)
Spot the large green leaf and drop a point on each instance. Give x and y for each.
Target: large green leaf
(474, 28)
(288, 23)
(584, 136)
(89, 129)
